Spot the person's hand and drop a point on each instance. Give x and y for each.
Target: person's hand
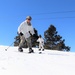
(21, 33)
(30, 33)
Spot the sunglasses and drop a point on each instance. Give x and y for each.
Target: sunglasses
(29, 19)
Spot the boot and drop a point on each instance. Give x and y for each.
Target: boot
(31, 50)
(39, 49)
(42, 49)
(20, 49)
(40, 52)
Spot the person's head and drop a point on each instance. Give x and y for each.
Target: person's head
(28, 18)
(40, 36)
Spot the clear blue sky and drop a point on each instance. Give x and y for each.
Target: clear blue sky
(43, 12)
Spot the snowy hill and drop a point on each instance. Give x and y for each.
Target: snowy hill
(49, 62)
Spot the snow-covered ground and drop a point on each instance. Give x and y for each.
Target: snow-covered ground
(49, 62)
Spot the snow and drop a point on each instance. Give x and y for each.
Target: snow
(50, 62)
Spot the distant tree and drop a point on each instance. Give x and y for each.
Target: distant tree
(53, 40)
(34, 38)
(17, 40)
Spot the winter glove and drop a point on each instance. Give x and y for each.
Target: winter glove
(30, 33)
(21, 33)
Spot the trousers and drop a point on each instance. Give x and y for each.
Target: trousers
(41, 46)
(22, 38)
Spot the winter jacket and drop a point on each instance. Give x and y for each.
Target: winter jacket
(25, 29)
(41, 41)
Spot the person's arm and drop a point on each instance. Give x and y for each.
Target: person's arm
(31, 30)
(42, 41)
(20, 28)
(38, 40)
(30, 33)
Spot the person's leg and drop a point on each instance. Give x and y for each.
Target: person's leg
(29, 44)
(21, 43)
(42, 47)
(39, 47)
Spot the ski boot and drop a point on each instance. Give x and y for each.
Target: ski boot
(20, 49)
(42, 49)
(31, 50)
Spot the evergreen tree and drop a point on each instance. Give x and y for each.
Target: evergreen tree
(53, 40)
(34, 38)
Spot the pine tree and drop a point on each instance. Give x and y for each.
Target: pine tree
(34, 38)
(53, 40)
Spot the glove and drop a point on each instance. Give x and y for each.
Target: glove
(30, 33)
(21, 33)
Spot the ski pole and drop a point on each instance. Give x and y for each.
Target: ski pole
(8, 47)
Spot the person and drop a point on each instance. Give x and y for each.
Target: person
(41, 43)
(25, 30)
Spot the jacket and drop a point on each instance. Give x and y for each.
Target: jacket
(25, 28)
(41, 41)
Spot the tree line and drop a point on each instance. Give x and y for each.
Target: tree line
(53, 41)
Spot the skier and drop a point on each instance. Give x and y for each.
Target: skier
(41, 43)
(25, 30)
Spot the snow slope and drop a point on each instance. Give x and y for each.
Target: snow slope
(49, 62)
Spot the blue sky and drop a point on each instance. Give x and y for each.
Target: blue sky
(43, 12)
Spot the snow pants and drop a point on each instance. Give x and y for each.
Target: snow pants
(22, 38)
(41, 46)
